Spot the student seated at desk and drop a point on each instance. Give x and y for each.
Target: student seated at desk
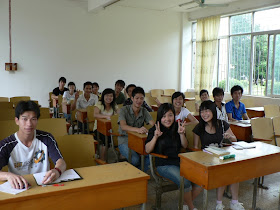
(236, 109)
(211, 131)
(167, 137)
(104, 109)
(132, 118)
(28, 150)
(69, 96)
(60, 89)
(204, 96)
(119, 85)
(95, 88)
(181, 113)
(128, 101)
(218, 94)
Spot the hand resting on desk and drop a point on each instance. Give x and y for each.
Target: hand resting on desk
(16, 181)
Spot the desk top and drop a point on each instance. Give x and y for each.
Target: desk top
(139, 135)
(257, 109)
(93, 177)
(240, 124)
(208, 160)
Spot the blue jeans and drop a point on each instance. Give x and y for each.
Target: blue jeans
(67, 116)
(135, 158)
(172, 173)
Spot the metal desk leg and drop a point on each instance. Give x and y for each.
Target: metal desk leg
(181, 194)
(106, 148)
(143, 206)
(205, 199)
(255, 193)
(142, 162)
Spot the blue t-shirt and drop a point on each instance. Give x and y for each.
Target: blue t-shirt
(236, 113)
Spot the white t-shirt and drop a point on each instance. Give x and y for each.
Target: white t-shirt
(23, 160)
(82, 103)
(183, 114)
(222, 114)
(68, 97)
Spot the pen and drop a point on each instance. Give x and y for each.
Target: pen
(54, 185)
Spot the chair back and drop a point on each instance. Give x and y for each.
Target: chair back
(156, 92)
(190, 105)
(189, 94)
(276, 127)
(154, 116)
(115, 128)
(16, 103)
(189, 135)
(7, 114)
(150, 100)
(168, 92)
(90, 117)
(271, 110)
(55, 126)
(164, 99)
(77, 150)
(7, 128)
(19, 98)
(44, 113)
(50, 100)
(148, 95)
(6, 105)
(248, 102)
(4, 99)
(262, 130)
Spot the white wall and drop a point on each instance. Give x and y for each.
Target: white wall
(60, 38)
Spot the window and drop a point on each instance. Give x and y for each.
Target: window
(249, 52)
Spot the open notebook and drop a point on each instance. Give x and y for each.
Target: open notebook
(66, 176)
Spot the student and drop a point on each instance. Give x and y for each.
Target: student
(204, 96)
(236, 109)
(167, 137)
(132, 118)
(119, 85)
(104, 109)
(69, 96)
(211, 131)
(95, 88)
(128, 101)
(218, 94)
(28, 150)
(60, 89)
(181, 113)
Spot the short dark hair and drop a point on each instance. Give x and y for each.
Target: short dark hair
(95, 84)
(71, 83)
(176, 95)
(129, 86)
(25, 106)
(236, 88)
(120, 82)
(218, 91)
(138, 90)
(63, 79)
(87, 83)
(203, 91)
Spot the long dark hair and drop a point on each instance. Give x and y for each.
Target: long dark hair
(162, 110)
(113, 103)
(212, 107)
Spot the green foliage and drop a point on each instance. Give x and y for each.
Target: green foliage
(232, 82)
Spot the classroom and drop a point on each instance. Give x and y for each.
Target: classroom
(150, 43)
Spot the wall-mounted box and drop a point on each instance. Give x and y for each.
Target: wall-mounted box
(10, 66)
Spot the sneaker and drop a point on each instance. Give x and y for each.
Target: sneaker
(185, 207)
(220, 206)
(236, 206)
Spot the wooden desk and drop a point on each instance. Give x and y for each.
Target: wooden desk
(154, 107)
(110, 186)
(210, 172)
(104, 127)
(136, 142)
(255, 112)
(241, 131)
(189, 99)
(82, 117)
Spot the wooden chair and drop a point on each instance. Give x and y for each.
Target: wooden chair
(78, 150)
(164, 99)
(154, 116)
(262, 130)
(271, 110)
(50, 100)
(162, 185)
(4, 99)
(7, 128)
(276, 128)
(44, 113)
(190, 105)
(7, 114)
(189, 134)
(150, 100)
(249, 102)
(6, 105)
(114, 136)
(90, 118)
(156, 92)
(168, 92)
(148, 95)
(189, 94)
(55, 126)
(17, 99)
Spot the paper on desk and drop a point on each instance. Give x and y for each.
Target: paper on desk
(244, 144)
(7, 188)
(66, 176)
